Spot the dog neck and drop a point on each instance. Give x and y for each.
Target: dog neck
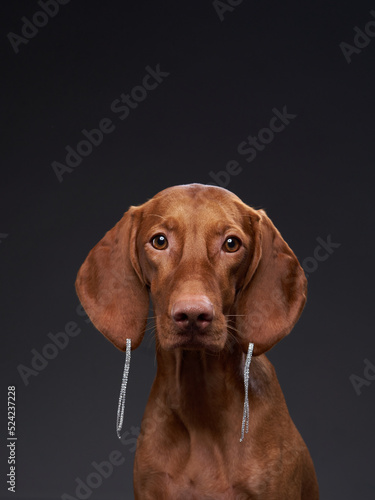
(199, 386)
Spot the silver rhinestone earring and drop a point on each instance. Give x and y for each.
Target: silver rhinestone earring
(245, 417)
(121, 401)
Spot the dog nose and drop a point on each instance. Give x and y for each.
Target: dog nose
(193, 313)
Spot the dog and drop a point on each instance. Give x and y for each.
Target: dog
(222, 280)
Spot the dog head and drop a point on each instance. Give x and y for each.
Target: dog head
(214, 267)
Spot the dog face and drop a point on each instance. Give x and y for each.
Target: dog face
(211, 264)
(195, 246)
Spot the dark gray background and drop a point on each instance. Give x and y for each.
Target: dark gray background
(314, 179)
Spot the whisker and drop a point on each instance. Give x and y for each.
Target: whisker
(231, 340)
(233, 325)
(150, 327)
(234, 337)
(233, 328)
(150, 337)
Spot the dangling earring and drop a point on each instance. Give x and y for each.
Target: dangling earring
(121, 401)
(245, 417)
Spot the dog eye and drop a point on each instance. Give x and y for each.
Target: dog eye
(231, 244)
(159, 242)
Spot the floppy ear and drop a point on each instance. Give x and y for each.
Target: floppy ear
(110, 287)
(274, 292)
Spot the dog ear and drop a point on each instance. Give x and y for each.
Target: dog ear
(110, 287)
(274, 291)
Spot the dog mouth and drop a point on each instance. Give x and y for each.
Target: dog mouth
(192, 340)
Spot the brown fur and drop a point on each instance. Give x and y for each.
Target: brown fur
(189, 443)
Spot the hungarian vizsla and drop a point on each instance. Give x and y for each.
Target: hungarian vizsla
(220, 276)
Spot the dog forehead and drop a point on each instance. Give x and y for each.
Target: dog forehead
(195, 206)
(196, 190)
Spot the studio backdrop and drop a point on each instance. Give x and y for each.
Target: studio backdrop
(104, 104)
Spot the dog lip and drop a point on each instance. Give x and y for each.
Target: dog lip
(193, 340)
(196, 346)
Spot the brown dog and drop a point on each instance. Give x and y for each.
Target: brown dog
(220, 276)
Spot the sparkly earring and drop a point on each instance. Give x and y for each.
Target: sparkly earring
(121, 401)
(245, 417)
